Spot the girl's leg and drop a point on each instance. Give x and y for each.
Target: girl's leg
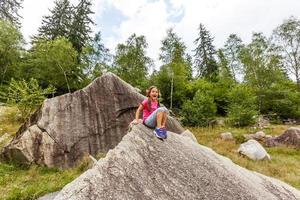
(159, 119)
(164, 119)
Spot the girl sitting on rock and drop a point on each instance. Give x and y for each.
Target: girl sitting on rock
(154, 116)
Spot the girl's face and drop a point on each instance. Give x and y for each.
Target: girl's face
(154, 94)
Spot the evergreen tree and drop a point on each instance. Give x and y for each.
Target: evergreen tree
(204, 57)
(80, 28)
(70, 22)
(131, 62)
(9, 10)
(57, 24)
(224, 71)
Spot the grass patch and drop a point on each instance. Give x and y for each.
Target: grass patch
(17, 182)
(285, 161)
(9, 123)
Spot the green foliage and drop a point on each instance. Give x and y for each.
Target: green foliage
(10, 50)
(26, 96)
(287, 37)
(71, 22)
(131, 62)
(242, 109)
(95, 57)
(281, 100)
(199, 111)
(205, 63)
(176, 71)
(232, 50)
(54, 63)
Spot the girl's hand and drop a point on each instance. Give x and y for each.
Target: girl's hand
(137, 121)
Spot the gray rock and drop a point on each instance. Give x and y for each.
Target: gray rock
(260, 135)
(253, 150)
(290, 137)
(226, 136)
(87, 122)
(144, 167)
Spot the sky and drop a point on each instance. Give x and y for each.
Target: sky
(118, 19)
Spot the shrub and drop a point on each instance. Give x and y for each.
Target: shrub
(199, 111)
(242, 107)
(26, 96)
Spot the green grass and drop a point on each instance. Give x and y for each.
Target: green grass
(21, 182)
(285, 160)
(18, 182)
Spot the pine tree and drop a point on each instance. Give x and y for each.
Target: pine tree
(80, 28)
(58, 23)
(70, 22)
(205, 63)
(9, 10)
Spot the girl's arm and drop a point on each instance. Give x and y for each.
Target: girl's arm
(138, 111)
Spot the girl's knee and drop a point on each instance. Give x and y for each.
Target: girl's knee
(163, 109)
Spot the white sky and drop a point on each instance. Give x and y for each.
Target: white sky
(118, 19)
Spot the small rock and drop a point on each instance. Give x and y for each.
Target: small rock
(226, 136)
(260, 135)
(253, 150)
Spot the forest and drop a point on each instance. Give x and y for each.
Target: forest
(238, 82)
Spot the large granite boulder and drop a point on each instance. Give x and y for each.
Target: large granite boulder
(68, 127)
(144, 167)
(291, 137)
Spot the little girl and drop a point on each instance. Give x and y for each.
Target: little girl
(154, 116)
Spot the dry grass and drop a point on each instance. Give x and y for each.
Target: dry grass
(285, 161)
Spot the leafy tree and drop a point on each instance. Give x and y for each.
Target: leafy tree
(262, 66)
(10, 50)
(204, 57)
(175, 72)
(9, 10)
(58, 23)
(131, 62)
(287, 36)
(54, 63)
(232, 50)
(26, 96)
(95, 58)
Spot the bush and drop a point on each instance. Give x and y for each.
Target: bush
(26, 96)
(200, 111)
(282, 100)
(242, 107)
